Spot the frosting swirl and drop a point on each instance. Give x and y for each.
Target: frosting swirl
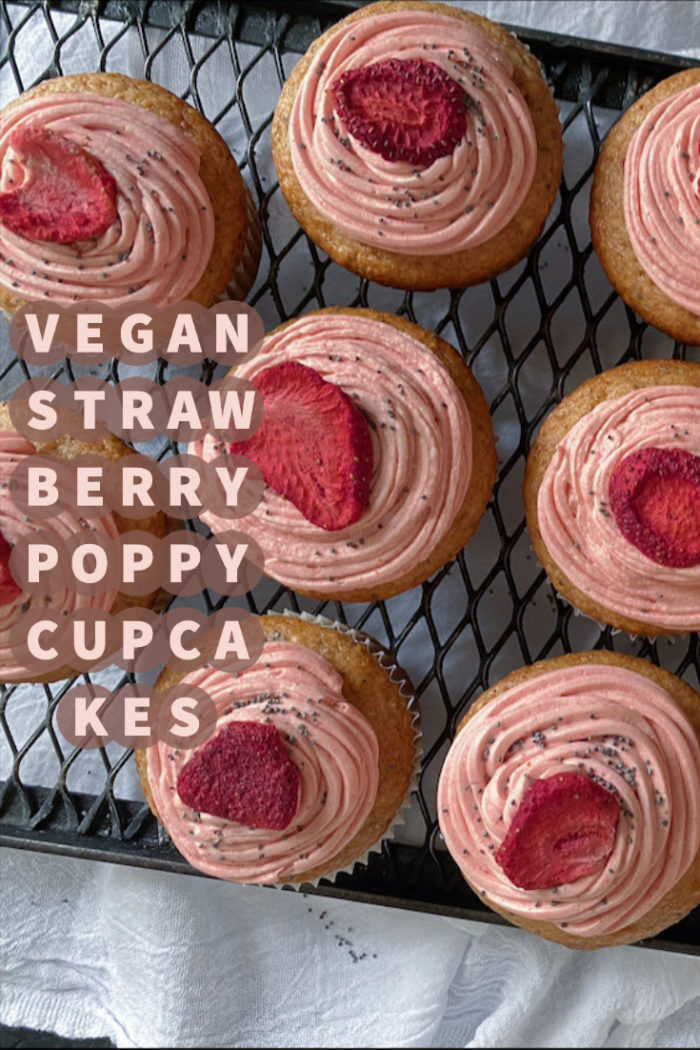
(422, 444)
(14, 525)
(614, 725)
(331, 742)
(578, 527)
(662, 196)
(457, 202)
(161, 244)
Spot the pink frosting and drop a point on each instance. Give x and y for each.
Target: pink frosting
(14, 525)
(161, 244)
(616, 726)
(458, 201)
(422, 441)
(662, 196)
(578, 527)
(332, 743)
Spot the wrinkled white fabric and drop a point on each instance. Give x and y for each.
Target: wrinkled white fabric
(154, 959)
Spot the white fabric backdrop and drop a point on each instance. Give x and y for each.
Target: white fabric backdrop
(151, 959)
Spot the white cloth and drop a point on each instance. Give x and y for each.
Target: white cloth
(151, 959)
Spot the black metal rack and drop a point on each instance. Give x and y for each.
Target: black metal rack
(530, 336)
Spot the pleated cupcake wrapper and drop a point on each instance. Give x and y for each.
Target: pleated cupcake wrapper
(247, 269)
(618, 630)
(399, 678)
(602, 625)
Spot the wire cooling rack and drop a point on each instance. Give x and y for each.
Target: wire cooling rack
(530, 336)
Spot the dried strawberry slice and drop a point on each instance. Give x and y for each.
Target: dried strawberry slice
(54, 190)
(403, 109)
(655, 496)
(244, 773)
(314, 446)
(564, 829)
(9, 591)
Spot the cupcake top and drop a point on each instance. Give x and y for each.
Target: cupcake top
(584, 784)
(13, 526)
(421, 444)
(323, 765)
(409, 134)
(99, 199)
(662, 196)
(619, 505)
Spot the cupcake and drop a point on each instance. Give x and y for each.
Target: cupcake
(570, 799)
(114, 189)
(612, 497)
(645, 206)
(377, 451)
(66, 525)
(419, 145)
(309, 765)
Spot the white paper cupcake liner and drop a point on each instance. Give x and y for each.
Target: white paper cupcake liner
(247, 269)
(673, 636)
(399, 678)
(620, 630)
(608, 626)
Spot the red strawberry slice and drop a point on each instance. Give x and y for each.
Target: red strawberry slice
(314, 446)
(9, 591)
(655, 497)
(244, 773)
(54, 190)
(403, 109)
(564, 829)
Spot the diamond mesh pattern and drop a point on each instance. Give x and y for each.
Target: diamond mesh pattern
(530, 336)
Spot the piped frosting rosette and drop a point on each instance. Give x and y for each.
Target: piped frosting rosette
(662, 196)
(158, 247)
(578, 522)
(614, 726)
(422, 446)
(64, 525)
(455, 202)
(330, 741)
